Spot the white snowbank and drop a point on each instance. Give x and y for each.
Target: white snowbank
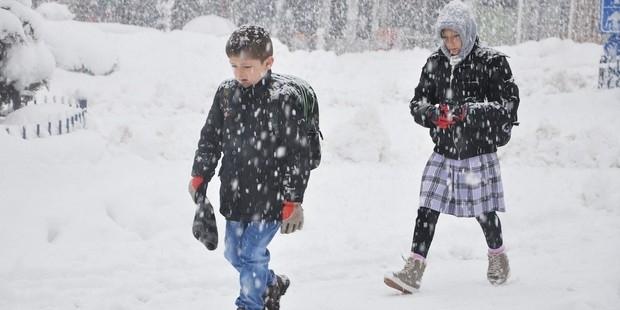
(100, 218)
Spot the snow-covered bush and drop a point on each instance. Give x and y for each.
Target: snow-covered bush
(55, 11)
(27, 3)
(28, 64)
(210, 24)
(11, 30)
(81, 47)
(25, 61)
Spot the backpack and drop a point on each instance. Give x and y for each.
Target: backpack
(503, 132)
(308, 99)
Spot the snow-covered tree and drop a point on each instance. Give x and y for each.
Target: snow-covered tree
(25, 61)
(357, 24)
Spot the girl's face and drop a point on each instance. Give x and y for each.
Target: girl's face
(452, 40)
(249, 71)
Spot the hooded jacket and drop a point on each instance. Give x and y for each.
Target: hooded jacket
(480, 81)
(261, 132)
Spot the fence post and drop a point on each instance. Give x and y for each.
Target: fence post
(82, 103)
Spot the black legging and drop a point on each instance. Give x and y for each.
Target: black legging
(427, 220)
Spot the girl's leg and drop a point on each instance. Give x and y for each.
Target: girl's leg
(424, 231)
(409, 278)
(492, 229)
(499, 267)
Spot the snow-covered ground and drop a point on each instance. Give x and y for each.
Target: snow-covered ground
(100, 218)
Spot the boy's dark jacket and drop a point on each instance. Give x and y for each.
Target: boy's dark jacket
(484, 80)
(261, 133)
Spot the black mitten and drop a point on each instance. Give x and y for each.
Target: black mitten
(205, 228)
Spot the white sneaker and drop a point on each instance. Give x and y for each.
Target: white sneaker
(499, 269)
(407, 280)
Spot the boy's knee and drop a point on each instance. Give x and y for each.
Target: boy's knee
(256, 257)
(232, 256)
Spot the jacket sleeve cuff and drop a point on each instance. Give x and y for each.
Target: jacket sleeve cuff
(293, 196)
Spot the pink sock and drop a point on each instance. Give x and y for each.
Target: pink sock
(497, 251)
(417, 256)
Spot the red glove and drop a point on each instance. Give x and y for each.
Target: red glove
(445, 119)
(197, 187)
(287, 209)
(292, 217)
(197, 181)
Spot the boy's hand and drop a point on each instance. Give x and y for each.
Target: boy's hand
(292, 217)
(197, 189)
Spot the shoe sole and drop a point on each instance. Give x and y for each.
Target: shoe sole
(398, 285)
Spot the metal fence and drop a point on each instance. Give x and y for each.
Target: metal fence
(53, 127)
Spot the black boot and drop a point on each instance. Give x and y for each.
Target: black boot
(274, 292)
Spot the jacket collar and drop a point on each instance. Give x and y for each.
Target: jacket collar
(258, 89)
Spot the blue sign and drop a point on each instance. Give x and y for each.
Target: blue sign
(610, 16)
(611, 48)
(609, 66)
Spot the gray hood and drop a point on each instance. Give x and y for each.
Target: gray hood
(457, 16)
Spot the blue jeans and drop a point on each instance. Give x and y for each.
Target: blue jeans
(246, 249)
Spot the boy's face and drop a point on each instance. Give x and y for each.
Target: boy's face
(249, 71)
(452, 40)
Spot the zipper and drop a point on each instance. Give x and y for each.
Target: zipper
(454, 61)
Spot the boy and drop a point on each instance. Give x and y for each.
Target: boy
(257, 122)
(466, 97)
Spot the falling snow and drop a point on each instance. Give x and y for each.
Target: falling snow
(100, 218)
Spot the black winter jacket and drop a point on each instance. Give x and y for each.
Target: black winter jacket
(483, 81)
(262, 134)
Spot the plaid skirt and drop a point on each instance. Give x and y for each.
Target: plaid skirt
(464, 188)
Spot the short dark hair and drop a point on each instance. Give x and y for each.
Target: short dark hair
(253, 41)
